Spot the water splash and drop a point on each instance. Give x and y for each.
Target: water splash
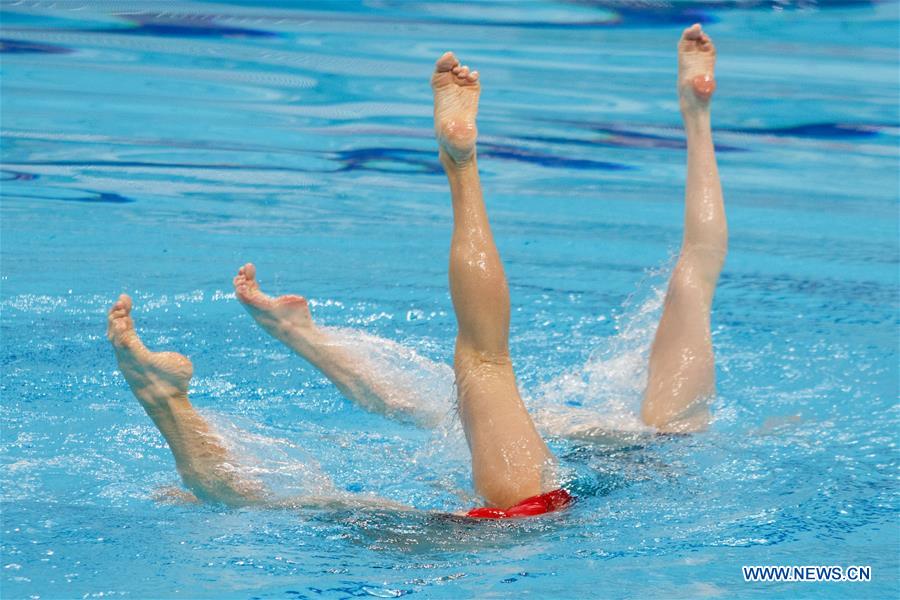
(423, 389)
(285, 469)
(601, 398)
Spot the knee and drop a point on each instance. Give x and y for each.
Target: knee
(667, 413)
(693, 423)
(472, 360)
(704, 261)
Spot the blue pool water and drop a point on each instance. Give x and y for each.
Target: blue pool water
(153, 147)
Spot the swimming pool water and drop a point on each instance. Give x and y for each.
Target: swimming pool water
(153, 147)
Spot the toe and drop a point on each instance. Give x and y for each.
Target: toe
(463, 72)
(473, 76)
(693, 32)
(445, 63)
(120, 307)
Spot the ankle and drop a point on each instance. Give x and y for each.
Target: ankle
(696, 121)
(453, 166)
(303, 339)
(164, 406)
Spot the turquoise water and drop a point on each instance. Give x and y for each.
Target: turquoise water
(153, 147)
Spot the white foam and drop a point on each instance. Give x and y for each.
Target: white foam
(603, 395)
(285, 468)
(423, 389)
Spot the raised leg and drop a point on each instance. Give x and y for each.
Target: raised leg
(159, 380)
(288, 319)
(510, 461)
(681, 378)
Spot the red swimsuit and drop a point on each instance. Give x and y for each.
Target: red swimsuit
(529, 507)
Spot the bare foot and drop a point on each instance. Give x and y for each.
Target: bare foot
(696, 64)
(156, 378)
(456, 91)
(285, 318)
(160, 380)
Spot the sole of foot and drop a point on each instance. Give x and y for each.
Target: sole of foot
(696, 69)
(456, 91)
